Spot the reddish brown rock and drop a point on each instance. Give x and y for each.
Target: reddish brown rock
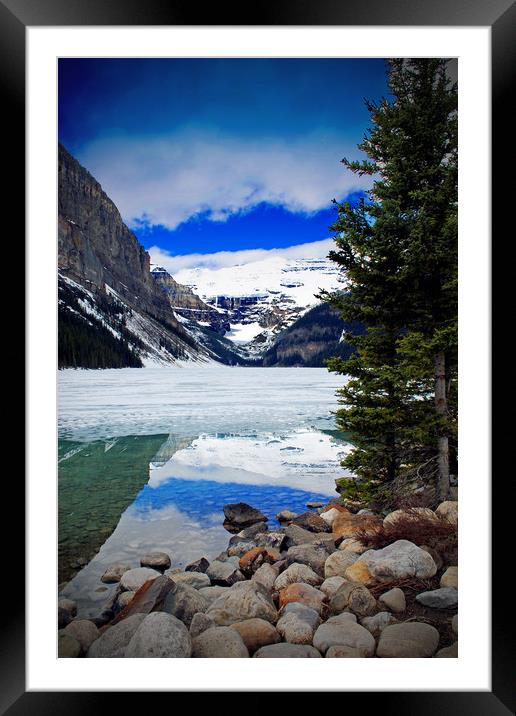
(350, 525)
(150, 597)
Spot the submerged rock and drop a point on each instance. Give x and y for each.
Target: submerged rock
(114, 573)
(239, 515)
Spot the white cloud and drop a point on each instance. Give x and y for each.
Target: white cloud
(225, 259)
(169, 179)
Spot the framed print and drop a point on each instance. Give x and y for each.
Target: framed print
(204, 473)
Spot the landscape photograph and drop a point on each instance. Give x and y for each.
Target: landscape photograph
(257, 306)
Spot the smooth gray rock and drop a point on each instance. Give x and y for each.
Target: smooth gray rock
(224, 574)
(212, 593)
(311, 555)
(398, 560)
(297, 623)
(343, 618)
(196, 580)
(160, 635)
(156, 560)
(297, 572)
(111, 643)
(67, 646)
(114, 573)
(183, 602)
(84, 631)
(408, 640)
(296, 536)
(332, 585)
(394, 600)
(266, 575)
(200, 622)
(219, 643)
(345, 634)
(287, 651)
(244, 600)
(337, 563)
(133, 579)
(442, 598)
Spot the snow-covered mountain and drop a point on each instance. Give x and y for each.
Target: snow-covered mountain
(262, 298)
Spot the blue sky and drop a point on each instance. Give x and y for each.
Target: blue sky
(203, 156)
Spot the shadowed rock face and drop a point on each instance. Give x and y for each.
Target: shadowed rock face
(95, 246)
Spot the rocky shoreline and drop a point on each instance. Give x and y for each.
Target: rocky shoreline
(330, 583)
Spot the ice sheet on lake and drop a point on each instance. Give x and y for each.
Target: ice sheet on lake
(304, 459)
(189, 401)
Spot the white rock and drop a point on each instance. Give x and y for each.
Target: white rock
(398, 560)
(338, 562)
(331, 585)
(298, 623)
(297, 573)
(244, 600)
(330, 515)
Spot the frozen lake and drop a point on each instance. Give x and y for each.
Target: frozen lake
(148, 458)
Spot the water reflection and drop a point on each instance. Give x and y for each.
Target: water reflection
(124, 497)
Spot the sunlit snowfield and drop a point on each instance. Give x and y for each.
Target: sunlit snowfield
(148, 458)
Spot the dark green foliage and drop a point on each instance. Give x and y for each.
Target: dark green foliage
(312, 339)
(398, 248)
(84, 342)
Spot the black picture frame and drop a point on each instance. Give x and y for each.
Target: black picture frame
(15, 17)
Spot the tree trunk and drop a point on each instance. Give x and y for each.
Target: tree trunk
(441, 407)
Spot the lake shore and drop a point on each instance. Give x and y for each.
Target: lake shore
(329, 582)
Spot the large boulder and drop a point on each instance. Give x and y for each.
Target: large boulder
(244, 600)
(219, 643)
(256, 633)
(355, 598)
(67, 646)
(408, 640)
(346, 634)
(111, 643)
(332, 585)
(297, 573)
(148, 598)
(312, 555)
(212, 593)
(352, 545)
(84, 631)
(304, 593)
(295, 535)
(449, 510)
(183, 602)
(156, 560)
(266, 575)
(443, 598)
(312, 522)
(412, 514)
(349, 525)
(287, 651)
(239, 515)
(337, 563)
(398, 560)
(133, 579)
(297, 623)
(160, 635)
(224, 574)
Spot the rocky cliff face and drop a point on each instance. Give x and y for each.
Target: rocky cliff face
(112, 311)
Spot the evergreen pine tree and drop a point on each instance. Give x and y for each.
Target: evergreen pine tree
(398, 248)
